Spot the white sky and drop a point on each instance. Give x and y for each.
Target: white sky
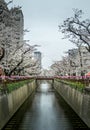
(42, 18)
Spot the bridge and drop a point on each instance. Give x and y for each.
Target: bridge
(44, 77)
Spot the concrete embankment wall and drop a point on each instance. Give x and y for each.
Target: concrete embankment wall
(10, 103)
(80, 102)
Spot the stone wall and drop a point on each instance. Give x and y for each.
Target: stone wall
(10, 103)
(80, 102)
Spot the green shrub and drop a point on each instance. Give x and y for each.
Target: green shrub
(77, 85)
(16, 85)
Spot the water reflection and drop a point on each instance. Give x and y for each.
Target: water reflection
(46, 111)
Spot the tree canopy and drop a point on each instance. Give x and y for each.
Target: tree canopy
(76, 29)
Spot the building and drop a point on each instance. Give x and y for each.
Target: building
(4, 31)
(11, 32)
(79, 60)
(18, 24)
(38, 57)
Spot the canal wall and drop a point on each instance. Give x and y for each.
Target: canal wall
(10, 103)
(79, 102)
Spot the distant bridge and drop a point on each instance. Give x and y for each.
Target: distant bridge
(44, 78)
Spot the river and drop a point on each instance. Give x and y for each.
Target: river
(45, 110)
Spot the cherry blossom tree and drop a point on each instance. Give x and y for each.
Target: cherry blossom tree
(76, 29)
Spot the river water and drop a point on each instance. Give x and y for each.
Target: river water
(45, 110)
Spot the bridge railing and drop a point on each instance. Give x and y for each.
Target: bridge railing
(16, 77)
(83, 79)
(45, 77)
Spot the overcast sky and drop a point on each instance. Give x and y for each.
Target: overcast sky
(42, 18)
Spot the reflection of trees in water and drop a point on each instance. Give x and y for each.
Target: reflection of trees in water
(74, 119)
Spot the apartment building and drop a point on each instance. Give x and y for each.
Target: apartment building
(11, 32)
(79, 60)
